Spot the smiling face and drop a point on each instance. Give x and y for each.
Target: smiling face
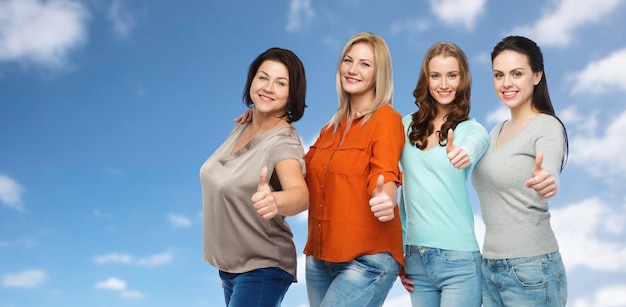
(513, 79)
(269, 89)
(358, 70)
(443, 79)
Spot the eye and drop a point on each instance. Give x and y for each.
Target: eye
(434, 76)
(498, 75)
(281, 83)
(453, 76)
(261, 77)
(347, 61)
(517, 74)
(366, 64)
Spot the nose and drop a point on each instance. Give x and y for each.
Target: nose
(352, 69)
(444, 83)
(269, 87)
(506, 81)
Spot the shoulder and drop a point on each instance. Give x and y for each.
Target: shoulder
(387, 112)
(470, 124)
(407, 119)
(546, 124)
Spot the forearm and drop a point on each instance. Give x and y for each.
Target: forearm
(292, 201)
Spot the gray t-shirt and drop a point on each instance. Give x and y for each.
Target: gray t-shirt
(517, 219)
(236, 239)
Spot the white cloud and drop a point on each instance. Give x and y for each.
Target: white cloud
(41, 32)
(612, 296)
(121, 19)
(156, 260)
(116, 284)
(455, 12)
(113, 258)
(300, 14)
(400, 301)
(558, 25)
(150, 261)
(593, 222)
(10, 191)
(602, 75)
(132, 294)
(177, 221)
(601, 155)
(111, 284)
(25, 279)
(497, 116)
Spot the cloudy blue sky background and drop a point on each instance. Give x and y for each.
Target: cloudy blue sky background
(109, 107)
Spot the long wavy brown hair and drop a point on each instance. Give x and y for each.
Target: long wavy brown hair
(422, 120)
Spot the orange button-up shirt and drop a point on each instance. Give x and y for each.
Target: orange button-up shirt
(341, 178)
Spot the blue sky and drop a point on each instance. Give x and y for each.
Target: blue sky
(108, 108)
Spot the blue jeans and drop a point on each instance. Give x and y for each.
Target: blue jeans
(260, 287)
(530, 281)
(443, 277)
(364, 281)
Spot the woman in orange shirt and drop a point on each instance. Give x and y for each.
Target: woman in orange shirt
(354, 245)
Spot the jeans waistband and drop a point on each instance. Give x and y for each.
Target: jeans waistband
(513, 261)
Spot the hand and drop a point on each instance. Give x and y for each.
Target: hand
(263, 200)
(542, 182)
(406, 283)
(381, 204)
(246, 116)
(457, 156)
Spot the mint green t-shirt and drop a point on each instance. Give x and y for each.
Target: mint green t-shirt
(434, 205)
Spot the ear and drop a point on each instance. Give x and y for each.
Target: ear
(537, 77)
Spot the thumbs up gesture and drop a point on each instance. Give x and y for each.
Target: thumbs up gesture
(457, 156)
(263, 200)
(381, 204)
(542, 181)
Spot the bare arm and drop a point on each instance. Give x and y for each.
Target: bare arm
(293, 199)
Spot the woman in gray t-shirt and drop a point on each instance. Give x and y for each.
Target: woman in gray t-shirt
(515, 177)
(253, 181)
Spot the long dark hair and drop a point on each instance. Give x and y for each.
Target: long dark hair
(422, 120)
(541, 97)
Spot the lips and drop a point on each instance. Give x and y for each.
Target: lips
(509, 94)
(266, 98)
(352, 80)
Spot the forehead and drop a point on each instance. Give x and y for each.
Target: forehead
(442, 63)
(274, 68)
(509, 59)
(361, 50)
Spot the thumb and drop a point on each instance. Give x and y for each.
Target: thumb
(538, 162)
(262, 178)
(379, 185)
(450, 143)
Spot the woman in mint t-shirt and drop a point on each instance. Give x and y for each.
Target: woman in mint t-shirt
(442, 257)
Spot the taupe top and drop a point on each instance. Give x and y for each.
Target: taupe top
(236, 239)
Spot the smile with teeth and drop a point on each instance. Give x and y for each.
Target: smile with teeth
(508, 94)
(352, 80)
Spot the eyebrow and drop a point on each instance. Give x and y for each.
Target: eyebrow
(360, 60)
(261, 71)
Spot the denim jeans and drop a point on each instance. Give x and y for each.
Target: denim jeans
(260, 287)
(364, 281)
(443, 277)
(530, 281)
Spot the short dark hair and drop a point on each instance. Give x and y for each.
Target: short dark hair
(297, 81)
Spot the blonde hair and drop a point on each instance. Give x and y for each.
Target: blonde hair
(383, 88)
